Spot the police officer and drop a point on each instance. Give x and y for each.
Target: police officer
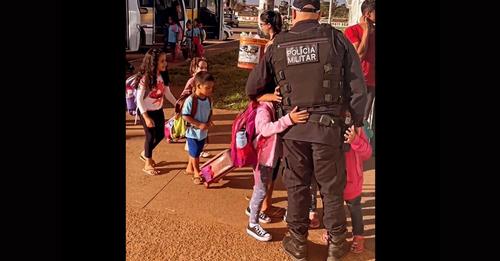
(317, 69)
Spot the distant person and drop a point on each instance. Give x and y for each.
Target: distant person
(198, 38)
(172, 32)
(362, 36)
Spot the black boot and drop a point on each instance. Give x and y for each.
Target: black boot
(337, 246)
(295, 245)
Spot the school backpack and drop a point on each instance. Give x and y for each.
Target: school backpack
(243, 151)
(175, 127)
(130, 92)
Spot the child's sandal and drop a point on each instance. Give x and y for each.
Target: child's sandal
(151, 171)
(197, 180)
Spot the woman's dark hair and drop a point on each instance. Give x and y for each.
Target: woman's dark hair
(367, 6)
(273, 18)
(149, 67)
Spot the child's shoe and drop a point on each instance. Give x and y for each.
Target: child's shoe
(197, 180)
(258, 233)
(358, 244)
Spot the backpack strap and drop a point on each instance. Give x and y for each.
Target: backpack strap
(210, 115)
(194, 106)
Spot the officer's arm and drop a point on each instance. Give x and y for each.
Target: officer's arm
(355, 81)
(259, 78)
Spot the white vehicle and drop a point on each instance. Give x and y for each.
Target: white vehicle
(133, 36)
(228, 32)
(146, 19)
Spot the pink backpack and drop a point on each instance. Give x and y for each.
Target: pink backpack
(243, 152)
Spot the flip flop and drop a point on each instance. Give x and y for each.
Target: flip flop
(151, 172)
(197, 180)
(205, 154)
(144, 160)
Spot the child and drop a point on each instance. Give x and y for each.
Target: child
(268, 151)
(189, 39)
(360, 150)
(198, 64)
(152, 89)
(203, 33)
(197, 133)
(267, 209)
(171, 42)
(197, 38)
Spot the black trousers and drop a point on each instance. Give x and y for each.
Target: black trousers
(153, 135)
(327, 164)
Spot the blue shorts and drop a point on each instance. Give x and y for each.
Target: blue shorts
(195, 147)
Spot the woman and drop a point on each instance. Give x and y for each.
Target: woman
(271, 24)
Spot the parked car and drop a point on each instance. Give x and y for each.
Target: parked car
(228, 32)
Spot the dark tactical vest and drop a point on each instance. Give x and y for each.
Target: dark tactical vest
(309, 70)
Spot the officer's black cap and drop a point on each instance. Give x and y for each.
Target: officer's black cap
(299, 4)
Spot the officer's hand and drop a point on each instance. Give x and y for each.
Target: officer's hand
(277, 91)
(350, 135)
(298, 117)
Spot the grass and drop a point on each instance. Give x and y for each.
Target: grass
(248, 24)
(230, 80)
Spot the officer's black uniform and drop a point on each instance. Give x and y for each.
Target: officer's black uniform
(317, 69)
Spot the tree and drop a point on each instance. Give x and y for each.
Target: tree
(341, 12)
(238, 7)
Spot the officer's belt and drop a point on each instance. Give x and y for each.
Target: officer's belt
(324, 119)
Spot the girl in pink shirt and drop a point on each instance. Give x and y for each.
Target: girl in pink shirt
(268, 151)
